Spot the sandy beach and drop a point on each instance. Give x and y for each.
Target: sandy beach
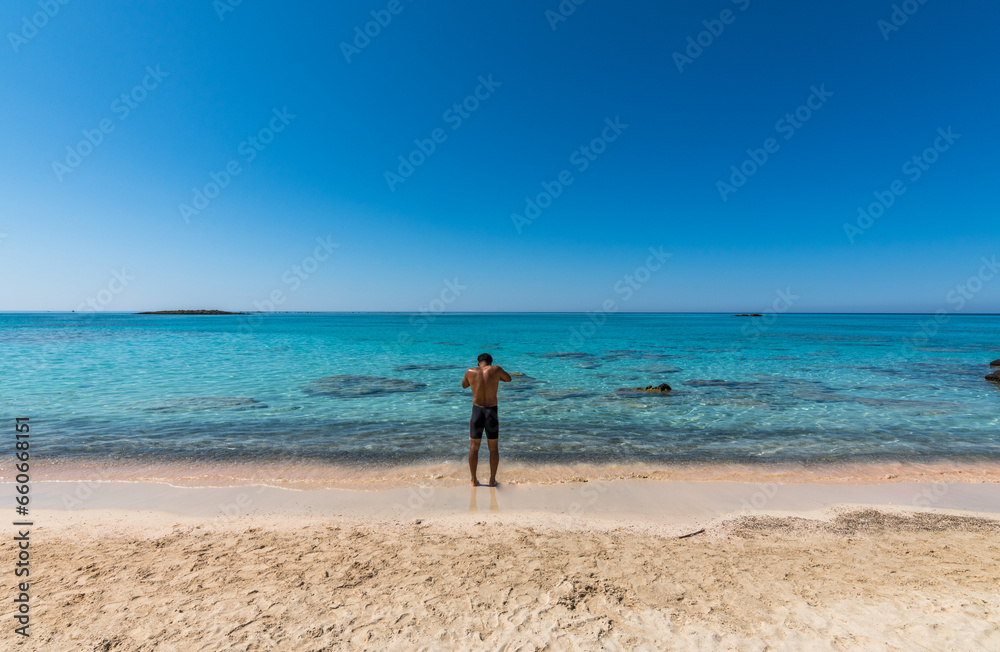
(138, 566)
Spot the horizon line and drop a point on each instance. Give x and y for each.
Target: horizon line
(485, 312)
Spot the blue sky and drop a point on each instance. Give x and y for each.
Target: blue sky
(104, 222)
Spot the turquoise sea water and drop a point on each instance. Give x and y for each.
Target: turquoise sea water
(385, 388)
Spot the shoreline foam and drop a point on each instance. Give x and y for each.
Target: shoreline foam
(311, 475)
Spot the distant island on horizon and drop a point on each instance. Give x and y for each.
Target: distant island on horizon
(191, 312)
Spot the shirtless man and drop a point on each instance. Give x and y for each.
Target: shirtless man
(484, 380)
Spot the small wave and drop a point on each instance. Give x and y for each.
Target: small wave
(311, 475)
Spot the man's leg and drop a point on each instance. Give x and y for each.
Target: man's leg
(474, 459)
(494, 447)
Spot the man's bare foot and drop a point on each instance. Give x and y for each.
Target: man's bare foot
(475, 483)
(494, 483)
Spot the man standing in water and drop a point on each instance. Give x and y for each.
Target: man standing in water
(484, 380)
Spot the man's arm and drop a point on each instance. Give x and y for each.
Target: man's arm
(504, 376)
(465, 379)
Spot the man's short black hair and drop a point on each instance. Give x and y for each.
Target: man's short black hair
(485, 357)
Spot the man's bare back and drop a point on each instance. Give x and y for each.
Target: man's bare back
(484, 381)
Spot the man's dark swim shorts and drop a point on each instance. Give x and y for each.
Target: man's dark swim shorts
(484, 417)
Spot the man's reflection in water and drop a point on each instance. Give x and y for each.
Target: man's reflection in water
(474, 506)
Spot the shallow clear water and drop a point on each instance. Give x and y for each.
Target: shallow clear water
(235, 388)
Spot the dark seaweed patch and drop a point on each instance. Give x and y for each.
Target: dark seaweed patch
(563, 394)
(350, 386)
(425, 367)
(567, 354)
(187, 404)
(661, 369)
